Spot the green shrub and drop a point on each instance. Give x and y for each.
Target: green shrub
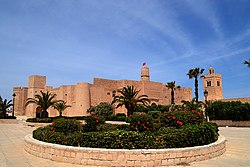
(40, 120)
(141, 122)
(47, 134)
(116, 118)
(118, 139)
(7, 117)
(66, 125)
(234, 110)
(112, 127)
(75, 117)
(152, 107)
(180, 118)
(92, 122)
(155, 114)
(186, 136)
(43, 133)
(103, 109)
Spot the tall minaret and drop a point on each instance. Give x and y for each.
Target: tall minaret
(145, 73)
(212, 83)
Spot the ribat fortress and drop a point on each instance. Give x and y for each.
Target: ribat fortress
(83, 95)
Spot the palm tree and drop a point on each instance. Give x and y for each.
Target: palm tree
(194, 73)
(172, 86)
(192, 105)
(129, 99)
(60, 107)
(247, 63)
(4, 105)
(44, 101)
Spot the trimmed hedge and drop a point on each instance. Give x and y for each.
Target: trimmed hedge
(235, 110)
(40, 120)
(116, 117)
(8, 117)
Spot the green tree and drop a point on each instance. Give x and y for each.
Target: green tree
(4, 105)
(44, 101)
(60, 107)
(172, 86)
(194, 73)
(247, 63)
(129, 99)
(103, 109)
(192, 105)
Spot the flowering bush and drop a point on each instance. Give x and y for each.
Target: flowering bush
(92, 122)
(180, 118)
(141, 122)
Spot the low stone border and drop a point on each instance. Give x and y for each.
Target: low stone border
(8, 121)
(123, 157)
(231, 123)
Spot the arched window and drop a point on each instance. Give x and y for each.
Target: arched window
(218, 83)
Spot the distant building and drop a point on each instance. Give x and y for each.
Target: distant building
(212, 83)
(83, 95)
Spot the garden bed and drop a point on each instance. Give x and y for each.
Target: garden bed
(123, 157)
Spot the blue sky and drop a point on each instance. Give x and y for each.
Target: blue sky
(73, 41)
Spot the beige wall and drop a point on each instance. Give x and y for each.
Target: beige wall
(243, 100)
(83, 95)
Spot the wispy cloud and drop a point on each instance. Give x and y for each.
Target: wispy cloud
(207, 11)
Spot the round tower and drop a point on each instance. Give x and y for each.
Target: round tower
(145, 73)
(82, 98)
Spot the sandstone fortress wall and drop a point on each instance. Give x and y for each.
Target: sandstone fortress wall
(83, 95)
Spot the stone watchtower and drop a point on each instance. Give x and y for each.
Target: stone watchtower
(36, 84)
(212, 83)
(145, 73)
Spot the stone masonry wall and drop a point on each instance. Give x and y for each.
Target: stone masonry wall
(123, 157)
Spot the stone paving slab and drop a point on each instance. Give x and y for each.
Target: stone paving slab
(12, 152)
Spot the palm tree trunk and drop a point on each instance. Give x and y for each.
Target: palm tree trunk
(196, 89)
(130, 111)
(172, 96)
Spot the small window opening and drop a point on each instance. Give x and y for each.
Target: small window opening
(218, 83)
(209, 83)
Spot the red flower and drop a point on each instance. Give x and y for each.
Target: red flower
(180, 123)
(97, 121)
(138, 122)
(174, 117)
(53, 123)
(199, 113)
(168, 117)
(159, 121)
(144, 127)
(130, 115)
(147, 123)
(132, 127)
(192, 110)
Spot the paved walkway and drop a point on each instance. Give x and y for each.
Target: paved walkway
(12, 153)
